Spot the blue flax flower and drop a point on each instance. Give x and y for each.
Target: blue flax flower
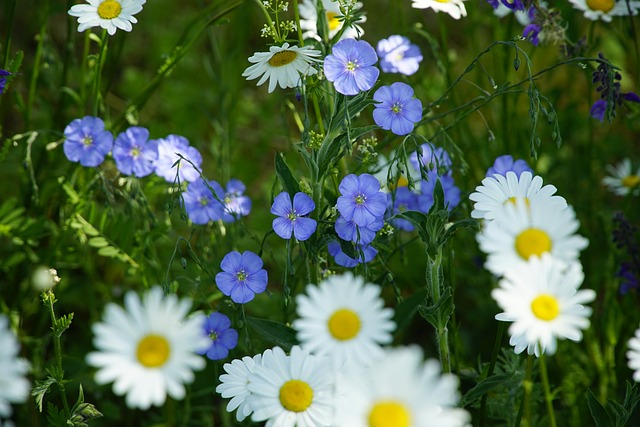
(402, 200)
(201, 203)
(531, 33)
(291, 216)
(397, 109)
(242, 276)
(86, 141)
(236, 204)
(3, 79)
(134, 154)
(429, 158)
(598, 109)
(361, 200)
(348, 230)
(365, 254)
(169, 151)
(506, 163)
(350, 66)
(398, 55)
(223, 337)
(451, 192)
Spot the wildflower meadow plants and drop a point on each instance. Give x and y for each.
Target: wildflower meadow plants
(319, 213)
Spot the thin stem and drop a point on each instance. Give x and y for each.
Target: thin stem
(547, 390)
(50, 297)
(434, 281)
(7, 44)
(492, 364)
(296, 15)
(98, 72)
(36, 66)
(316, 108)
(270, 23)
(527, 385)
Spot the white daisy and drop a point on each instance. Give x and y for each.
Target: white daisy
(235, 384)
(455, 8)
(542, 300)
(634, 355)
(399, 390)
(282, 65)
(521, 230)
(622, 180)
(344, 318)
(495, 191)
(605, 9)
(309, 20)
(294, 390)
(107, 14)
(149, 349)
(14, 386)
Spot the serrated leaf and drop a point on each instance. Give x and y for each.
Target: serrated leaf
(289, 183)
(598, 412)
(483, 387)
(55, 416)
(274, 332)
(41, 388)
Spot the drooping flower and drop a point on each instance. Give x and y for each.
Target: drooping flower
(177, 159)
(148, 348)
(542, 299)
(397, 110)
(222, 337)
(427, 188)
(622, 181)
(236, 204)
(598, 109)
(345, 319)
(361, 200)
(605, 9)
(398, 55)
(291, 218)
(309, 20)
(400, 389)
(365, 254)
(506, 163)
(242, 276)
(350, 66)
(234, 384)
(292, 390)
(201, 203)
(14, 386)
(107, 14)
(283, 65)
(455, 8)
(497, 190)
(363, 235)
(133, 153)
(86, 141)
(429, 158)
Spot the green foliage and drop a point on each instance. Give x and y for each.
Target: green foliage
(614, 413)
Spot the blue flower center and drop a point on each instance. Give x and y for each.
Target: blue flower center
(361, 199)
(352, 65)
(135, 152)
(87, 140)
(292, 216)
(241, 275)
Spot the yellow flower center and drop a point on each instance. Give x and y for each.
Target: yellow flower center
(402, 182)
(443, 1)
(344, 324)
(631, 181)
(532, 241)
(135, 152)
(601, 5)
(389, 414)
(282, 58)
(87, 141)
(296, 395)
(333, 21)
(545, 307)
(109, 9)
(351, 66)
(397, 107)
(514, 200)
(153, 351)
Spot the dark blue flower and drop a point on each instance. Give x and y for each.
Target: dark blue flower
(451, 192)
(350, 66)
(201, 203)
(397, 110)
(398, 55)
(430, 158)
(3, 80)
(361, 200)
(223, 337)
(365, 254)
(86, 141)
(506, 163)
(514, 4)
(236, 204)
(242, 276)
(170, 164)
(133, 153)
(531, 32)
(399, 201)
(291, 216)
(598, 109)
(348, 230)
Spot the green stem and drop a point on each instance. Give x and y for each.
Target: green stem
(57, 350)
(270, 23)
(494, 358)
(36, 67)
(434, 281)
(527, 385)
(296, 15)
(98, 73)
(316, 108)
(7, 44)
(83, 68)
(547, 390)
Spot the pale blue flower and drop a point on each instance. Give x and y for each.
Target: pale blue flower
(397, 110)
(86, 141)
(350, 66)
(398, 55)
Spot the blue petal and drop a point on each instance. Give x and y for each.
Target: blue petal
(303, 228)
(303, 204)
(281, 204)
(282, 227)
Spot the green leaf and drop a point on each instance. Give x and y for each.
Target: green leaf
(108, 252)
(98, 242)
(41, 388)
(289, 183)
(274, 332)
(55, 416)
(438, 314)
(407, 309)
(62, 324)
(483, 387)
(598, 412)
(82, 412)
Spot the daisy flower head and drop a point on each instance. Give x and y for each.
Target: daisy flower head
(398, 55)
(107, 14)
(633, 354)
(292, 390)
(291, 219)
(148, 348)
(455, 8)
(399, 389)
(344, 318)
(350, 66)
(543, 301)
(86, 141)
(236, 204)
(176, 158)
(605, 9)
(364, 252)
(282, 65)
(133, 153)
(14, 386)
(506, 163)
(331, 8)
(521, 231)
(234, 384)
(497, 190)
(202, 201)
(397, 110)
(222, 337)
(242, 276)
(361, 200)
(622, 180)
